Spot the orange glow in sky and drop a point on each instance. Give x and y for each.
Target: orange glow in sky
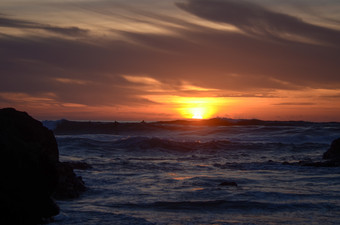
(198, 108)
(198, 113)
(117, 60)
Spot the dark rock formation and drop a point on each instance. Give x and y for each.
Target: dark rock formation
(229, 183)
(331, 158)
(333, 153)
(70, 185)
(30, 171)
(79, 165)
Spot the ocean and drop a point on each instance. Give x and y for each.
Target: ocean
(192, 174)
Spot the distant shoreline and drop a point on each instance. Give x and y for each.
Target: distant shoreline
(90, 127)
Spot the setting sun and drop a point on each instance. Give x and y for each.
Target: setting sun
(192, 107)
(198, 108)
(198, 113)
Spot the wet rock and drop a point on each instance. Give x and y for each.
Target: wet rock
(331, 158)
(69, 184)
(28, 169)
(79, 165)
(228, 183)
(333, 153)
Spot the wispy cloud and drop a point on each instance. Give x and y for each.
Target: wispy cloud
(116, 54)
(141, 80)
(257, 20)
(295, 103)
(25, 24)
(71, 81)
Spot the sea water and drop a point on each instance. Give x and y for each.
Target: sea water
(174, 176)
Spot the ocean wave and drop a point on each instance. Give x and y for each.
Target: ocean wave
(217, 205)
(156, 143)
(167, 144)
(81, 142)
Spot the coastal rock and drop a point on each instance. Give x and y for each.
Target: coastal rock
(229, 183)
(333, 153)
(69, 184)
(331, 158)
(28, 169)
(79, 165)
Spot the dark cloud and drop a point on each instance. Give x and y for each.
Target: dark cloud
(208, 58)
(237, 61)
(190, 59)
(331, 97)
(250, 95)
(257, 20)
(24, 24)
(296, 103)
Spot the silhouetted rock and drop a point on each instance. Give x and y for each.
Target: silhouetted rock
(229, 183)
(331, 156)
(333, 153)
(28, 169)
(70, 185)
(79, 165)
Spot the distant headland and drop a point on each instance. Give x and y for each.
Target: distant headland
(89, 127)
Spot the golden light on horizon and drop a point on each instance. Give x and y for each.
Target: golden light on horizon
(197, 113)
(198, 108)
(192, 107)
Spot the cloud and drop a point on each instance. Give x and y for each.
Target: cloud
(257, 20)
(258, 62)
(25, 24)
(141, 80)
(88, 73)
(70, 81)
(332, 97)
(296, 103)
(188, 62)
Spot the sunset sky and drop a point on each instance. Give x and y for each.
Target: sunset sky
(132, 60)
